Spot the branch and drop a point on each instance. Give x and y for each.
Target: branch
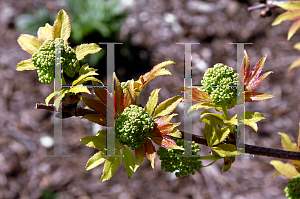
(254, 150)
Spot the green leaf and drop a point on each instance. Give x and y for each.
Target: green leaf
(128, 161)
(110, 167)
(220, 135)
(287, 143)
(95, 160)
(167, 106)
(152, 101)
(98, 142)
(86, 69)
(225, 150)
(81, 78)
(285, 169)
(202, 105)
(288, 15)
(79, 89)
(85, 49)
(47, 100)
(252, 117)
(26, 65)
(62, 27)
(219, 116)
(209, 129)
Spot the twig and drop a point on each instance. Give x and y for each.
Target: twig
(254, 150)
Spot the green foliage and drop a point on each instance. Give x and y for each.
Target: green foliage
(133, 126)
(293, 188)
(220, 83)
(182, 165)
(44, 60)
(104, 17)
(30, 23)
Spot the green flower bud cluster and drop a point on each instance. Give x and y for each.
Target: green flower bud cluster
(132, 126)
(124, 85)
(220, 83)
(183, 165)
(44, 60)
(293, 188)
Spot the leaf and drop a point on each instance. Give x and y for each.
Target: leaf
(292, 5)
(140, 155)
(293, 29)
(167, 106)
(148, 76)
(252, 117)
(119, 95)
(29, 43)
(150, 151)
(110, 167)
(209, 129)
(225, 150)
(95, 160)
(47, 100)
(129, 96)
(79, 89)
(220, 135)
(82, 77)
(26, 65)
(45, 33)
(256, 97)
(285, 169)
(294, 64)
(152, 101)
(128, 161)
(297, 46)
(95, 104)
(85, 49)
(204, 106)
(288, 15)
(98, 142)
(97, 118)
(288, 144)
(175, 133)
(86, 69)
(165, 119)
(62, 27)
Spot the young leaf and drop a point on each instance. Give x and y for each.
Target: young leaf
(285, 169)
(98, 142)
(85, 49)
(119, 95)
(79, 89)
(29, 43)
(110, 167)
(45, 33)
(167, 106)
(225, 150)
(62, 27)
(140, 155)
(288, 15)
(95, 160)
(288, 144)
(152, 101)
(26, 65)
(128, 161)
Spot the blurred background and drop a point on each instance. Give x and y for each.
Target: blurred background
(149, 31)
